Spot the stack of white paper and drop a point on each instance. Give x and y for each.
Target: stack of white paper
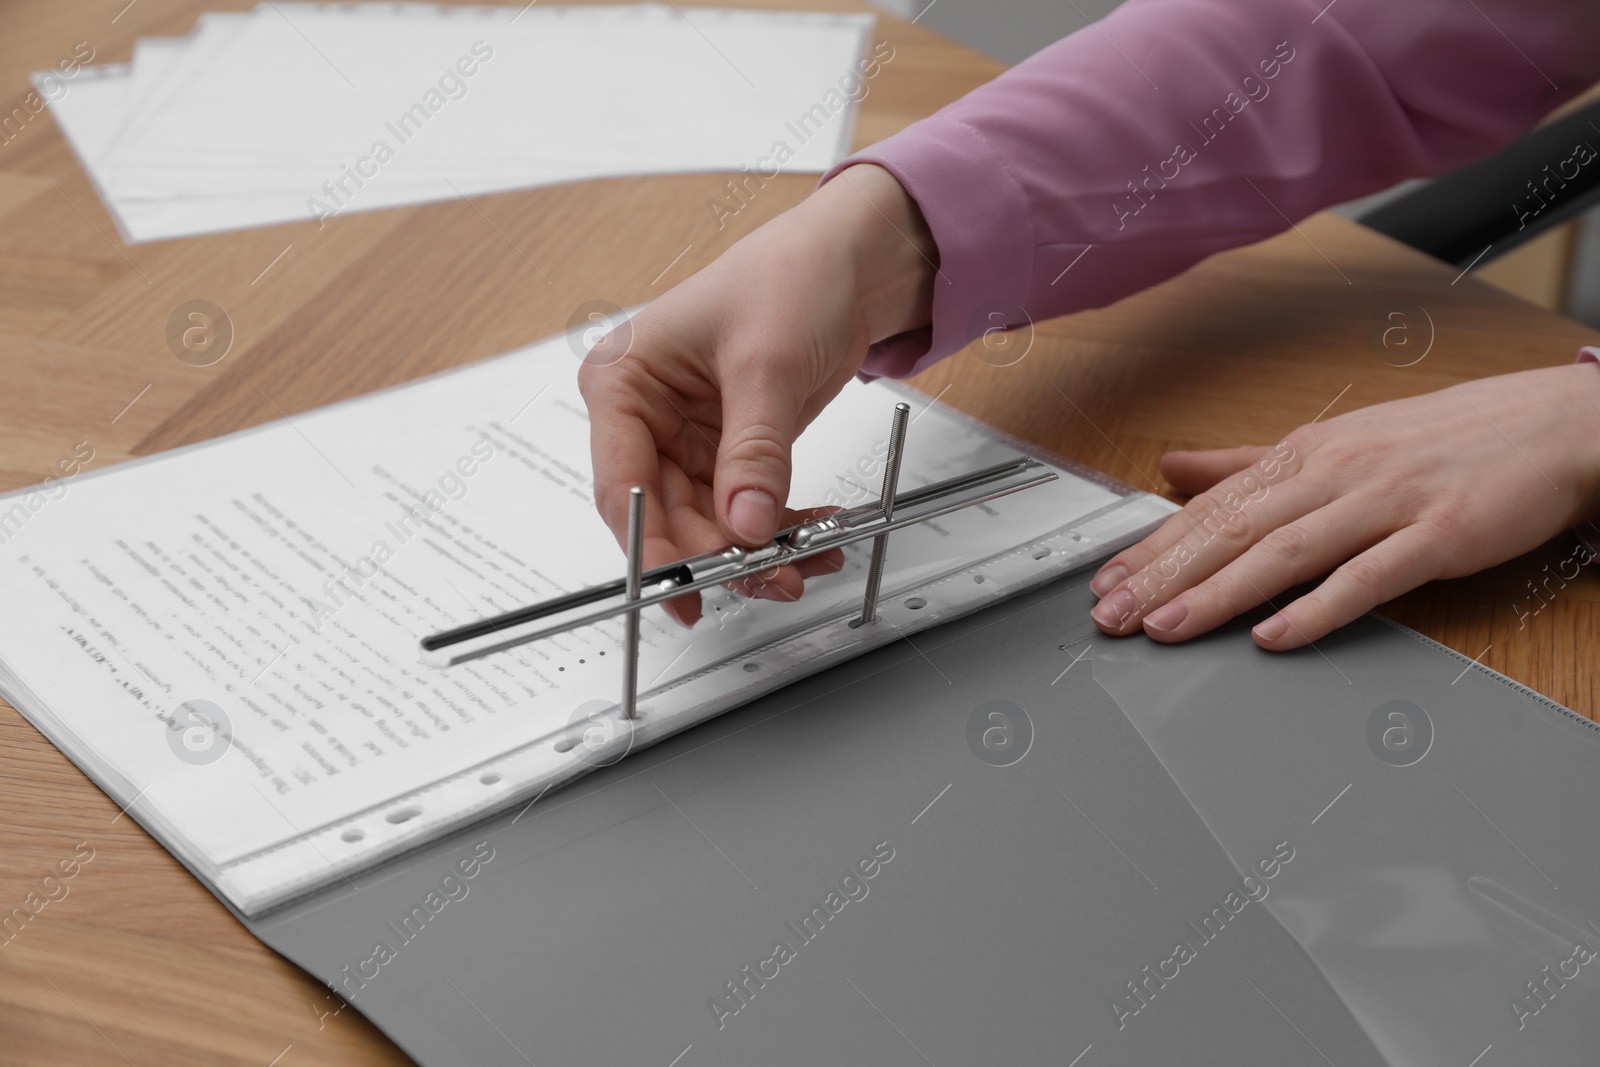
(299, 111)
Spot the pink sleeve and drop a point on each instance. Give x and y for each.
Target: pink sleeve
(1174, 129)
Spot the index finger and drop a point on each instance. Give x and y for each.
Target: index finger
(623, 453)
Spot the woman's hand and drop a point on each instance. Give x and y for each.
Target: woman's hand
(1385, 498)
(699, 398)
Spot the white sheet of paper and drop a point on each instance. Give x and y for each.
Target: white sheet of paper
(299, 111)
(285, 575)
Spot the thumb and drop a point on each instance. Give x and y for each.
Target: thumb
(1191, 473)
(753, 461)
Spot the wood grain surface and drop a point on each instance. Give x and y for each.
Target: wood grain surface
(138, 964)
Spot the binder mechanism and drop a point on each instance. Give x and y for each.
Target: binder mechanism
(640, 589)
(642, 711)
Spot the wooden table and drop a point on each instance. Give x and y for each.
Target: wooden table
(139, 964)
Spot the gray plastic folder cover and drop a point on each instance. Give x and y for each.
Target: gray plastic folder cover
(1015, 841)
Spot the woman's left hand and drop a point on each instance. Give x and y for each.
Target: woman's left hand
(1385, 498)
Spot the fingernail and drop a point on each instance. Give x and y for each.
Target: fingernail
(1167, 617)
(753, 515)
(1108, 579)
(1272, 629)
(1115, 609)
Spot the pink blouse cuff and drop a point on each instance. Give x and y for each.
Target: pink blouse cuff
(1589, 532)
(981, 224)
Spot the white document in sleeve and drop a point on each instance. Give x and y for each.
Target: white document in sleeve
(225, 636)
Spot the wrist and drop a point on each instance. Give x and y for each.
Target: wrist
(889, 248)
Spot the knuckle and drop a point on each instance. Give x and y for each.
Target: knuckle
(1228, 592)
(598, 381)
(1290, 452)
(1290, 544)
(756, 443)
(629, 373)
(1209, 596)
(1146, 587)
(1367, 576)
(1224, 518)
(1146, 552)
(586, 381)
(1447, 528)
(1149, 578)
(1190, 521)
(1200, 506)
(1354, 460)
(1141, 569)
(1300, 440)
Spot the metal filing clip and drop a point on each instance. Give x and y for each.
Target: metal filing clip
(641, 589)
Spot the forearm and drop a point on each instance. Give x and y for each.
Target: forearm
(1175, 129)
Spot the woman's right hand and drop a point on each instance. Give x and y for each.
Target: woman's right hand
(699, 397)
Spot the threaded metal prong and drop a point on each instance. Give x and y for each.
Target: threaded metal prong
(891, 484)
(630, 640)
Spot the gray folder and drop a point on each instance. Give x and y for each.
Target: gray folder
(1013, 840)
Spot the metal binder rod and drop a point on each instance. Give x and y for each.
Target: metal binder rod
(641, 589)
(891, 485)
